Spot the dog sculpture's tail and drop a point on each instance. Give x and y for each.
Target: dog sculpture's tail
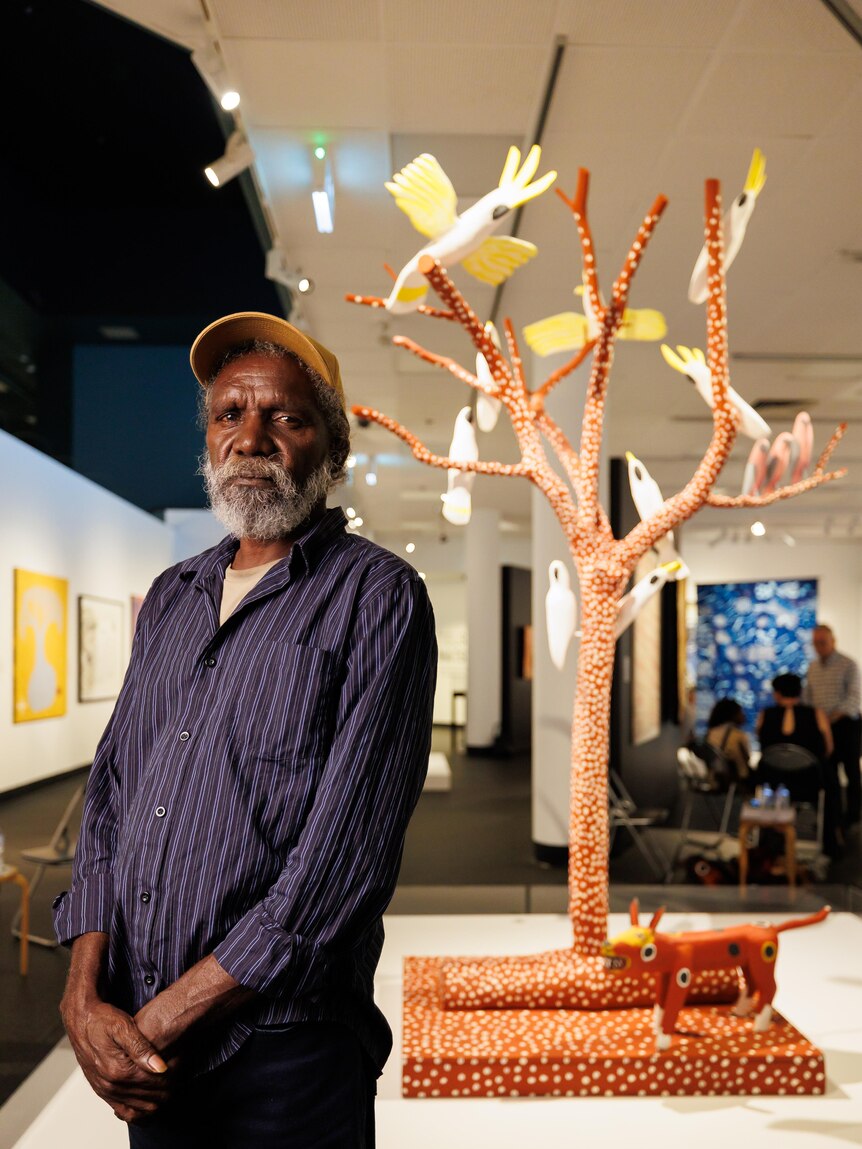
(798, 923)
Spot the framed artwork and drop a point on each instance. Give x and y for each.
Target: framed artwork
(747, 633)
(39, 674)
(101, 661)
(646, 663)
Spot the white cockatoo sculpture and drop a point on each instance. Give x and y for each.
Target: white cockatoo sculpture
(691, 362)
(647, 498)
(569, 330)
(457, 501)
(735, 223)
(561, 612)
(425, 194)
(631, 604)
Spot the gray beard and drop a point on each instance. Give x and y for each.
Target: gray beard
(259, 513)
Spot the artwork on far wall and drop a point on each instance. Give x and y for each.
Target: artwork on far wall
(646, 663)
(747, 633)
(40, 677)
(101, 661)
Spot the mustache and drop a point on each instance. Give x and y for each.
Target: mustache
(252, 468)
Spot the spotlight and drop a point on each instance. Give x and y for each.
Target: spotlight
(350, 462)
(410, 548)
(371, 474)
(350, 512)
(279, 271)
(758, 529)
(212, 71)
(237, 157)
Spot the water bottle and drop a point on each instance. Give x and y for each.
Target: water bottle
(767, 798)
(782, 798)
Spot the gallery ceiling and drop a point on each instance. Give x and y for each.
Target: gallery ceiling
(652, 98)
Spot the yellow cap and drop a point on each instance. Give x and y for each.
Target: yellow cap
(230, 331)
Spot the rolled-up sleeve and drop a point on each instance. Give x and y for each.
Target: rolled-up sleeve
(341, 874)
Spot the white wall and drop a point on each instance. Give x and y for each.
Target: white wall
(58, 523)
(836, 565)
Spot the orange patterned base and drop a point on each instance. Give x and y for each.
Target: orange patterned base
(577, 1053)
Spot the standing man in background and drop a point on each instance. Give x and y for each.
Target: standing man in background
(832, 685)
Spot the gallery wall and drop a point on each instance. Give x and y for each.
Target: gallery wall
(55, 522)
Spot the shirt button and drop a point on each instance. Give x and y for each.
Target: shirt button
(149, 979)
(145, 897)
(160, 811)
(184, 737)
(211, 662)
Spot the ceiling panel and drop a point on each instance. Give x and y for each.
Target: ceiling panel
(323, 20)
(789, 26)
(304, 84)
(478, 24)
(668, 23)
(452, 88)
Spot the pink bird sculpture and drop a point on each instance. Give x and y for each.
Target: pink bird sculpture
(781, 461)
(803, 433)
(755, 468)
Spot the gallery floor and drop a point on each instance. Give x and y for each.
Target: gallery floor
(469, 853)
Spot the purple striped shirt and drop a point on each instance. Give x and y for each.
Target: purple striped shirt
(250, 795)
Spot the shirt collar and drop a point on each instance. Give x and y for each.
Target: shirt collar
(306, 550)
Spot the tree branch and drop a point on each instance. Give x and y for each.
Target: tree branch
(424, 455)
(557, 377)
(594, 408)
(379, 302)
(446, 363)
(816, 479)
(692, 497)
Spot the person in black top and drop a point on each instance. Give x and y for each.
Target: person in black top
(791, 720)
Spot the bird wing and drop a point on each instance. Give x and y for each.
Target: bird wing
(561, 332)
(425, 194)
(642, 324)
(497, 257)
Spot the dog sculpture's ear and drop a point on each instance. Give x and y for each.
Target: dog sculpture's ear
(656, 918)
(634, 906)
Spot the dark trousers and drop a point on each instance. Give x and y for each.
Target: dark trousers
(303, 1086)
(847, 736)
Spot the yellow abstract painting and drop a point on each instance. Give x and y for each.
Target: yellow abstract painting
(40, 646)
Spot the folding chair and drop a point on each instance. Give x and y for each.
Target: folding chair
(624, 811)
(60, 851)
(701, 779)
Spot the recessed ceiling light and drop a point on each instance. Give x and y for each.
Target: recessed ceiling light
(410, 548)
(230, 100)
(758, 529)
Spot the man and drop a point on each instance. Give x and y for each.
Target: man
(248, 801)
(832, 684)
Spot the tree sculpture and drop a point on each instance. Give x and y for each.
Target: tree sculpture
(576, 977)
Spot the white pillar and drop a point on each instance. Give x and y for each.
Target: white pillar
(553, 690)
(484, 624)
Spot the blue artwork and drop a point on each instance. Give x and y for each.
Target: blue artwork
(747, 633)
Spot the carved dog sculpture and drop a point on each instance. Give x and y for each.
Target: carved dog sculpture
(675, 958)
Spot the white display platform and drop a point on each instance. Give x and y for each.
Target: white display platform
(820, 990)
(439, 775)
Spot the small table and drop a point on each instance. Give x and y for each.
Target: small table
(13, 874)
(782, 820)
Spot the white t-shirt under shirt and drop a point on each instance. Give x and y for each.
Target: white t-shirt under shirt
(237, 584)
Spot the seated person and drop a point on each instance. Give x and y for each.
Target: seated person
(723, 733)
(790, 720)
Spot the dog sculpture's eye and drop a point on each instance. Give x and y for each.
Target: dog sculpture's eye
(648, 952)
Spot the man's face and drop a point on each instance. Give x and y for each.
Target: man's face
(823, 641)
(267, 447)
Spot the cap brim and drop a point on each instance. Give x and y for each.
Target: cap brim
(215, 341)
